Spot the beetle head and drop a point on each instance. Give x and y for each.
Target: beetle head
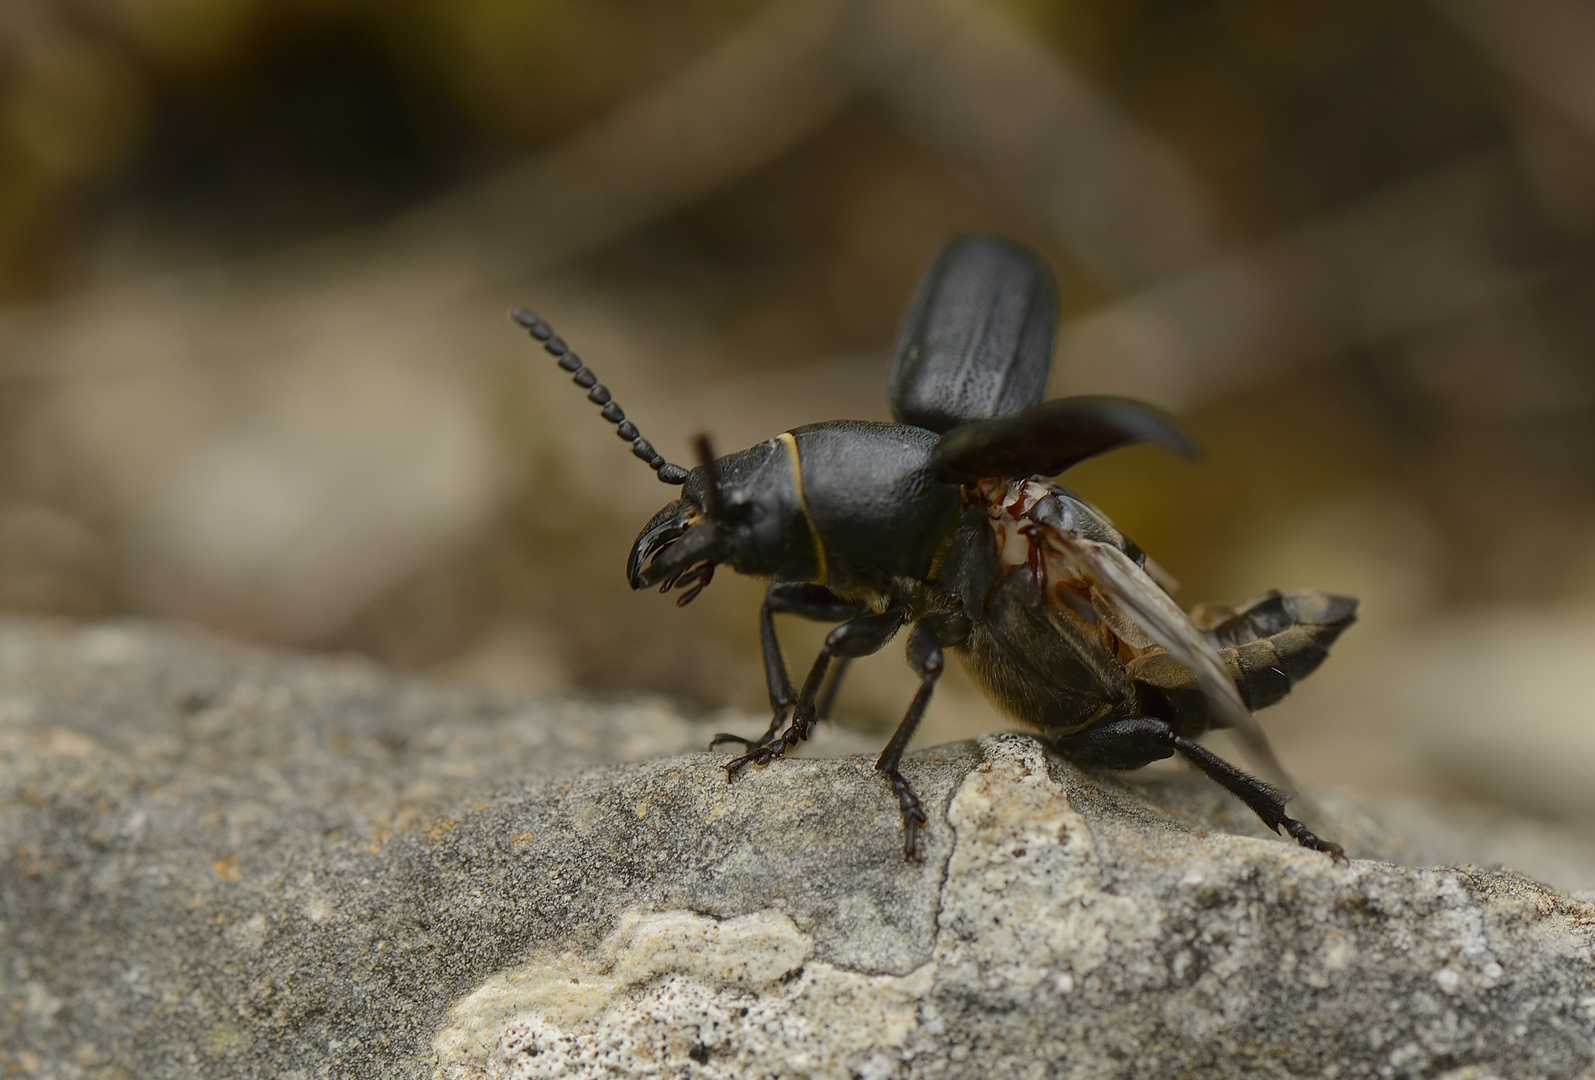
(743, 509)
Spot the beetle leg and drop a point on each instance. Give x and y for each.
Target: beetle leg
(1265, 801)
(833, 684)
(1126, 742)
(1133, 741)
(782, 697)
(856, 637)
(812, 602)
(925, 657)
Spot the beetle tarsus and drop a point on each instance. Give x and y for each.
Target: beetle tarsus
(762, 753)
(1308, 839)
(1266, 801)
(811, 602)
(856, 637)
(769, 735)
(741, 740)
(822, 711)
(913, 811)
(767, 747)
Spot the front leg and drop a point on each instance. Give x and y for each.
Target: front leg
(811, 602)
(857, 637)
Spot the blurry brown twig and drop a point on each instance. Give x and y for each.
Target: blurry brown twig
(1429, 247)
(1033, 134)
(1548, 45)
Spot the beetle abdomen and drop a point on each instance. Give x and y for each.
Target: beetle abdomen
(1269, 644)
(1276, 640)
(1044, 665)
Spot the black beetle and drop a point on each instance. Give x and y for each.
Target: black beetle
(945, 521)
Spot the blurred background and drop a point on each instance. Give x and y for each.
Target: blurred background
(255, 370)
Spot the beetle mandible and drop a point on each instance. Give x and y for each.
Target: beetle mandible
(945, 522)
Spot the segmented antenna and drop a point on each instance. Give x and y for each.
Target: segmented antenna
(598, 394)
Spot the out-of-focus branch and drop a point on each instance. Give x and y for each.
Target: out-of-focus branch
(751, 98)
(746, 102)
(1549, 45)
(1033, 134)
(1430, 247)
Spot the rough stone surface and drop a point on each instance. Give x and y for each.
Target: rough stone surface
(224, 863)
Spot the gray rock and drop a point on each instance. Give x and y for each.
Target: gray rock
(224, 863)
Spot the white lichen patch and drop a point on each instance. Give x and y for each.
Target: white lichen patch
(672, 992)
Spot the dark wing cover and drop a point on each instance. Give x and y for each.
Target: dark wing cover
(1046, 440)
(977, 339)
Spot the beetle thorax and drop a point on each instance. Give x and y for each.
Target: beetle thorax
(877, 510)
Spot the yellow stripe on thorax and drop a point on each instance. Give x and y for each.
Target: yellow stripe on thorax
(823, 573)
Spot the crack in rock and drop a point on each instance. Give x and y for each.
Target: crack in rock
(1076, 947)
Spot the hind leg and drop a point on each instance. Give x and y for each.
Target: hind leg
(1133, 741)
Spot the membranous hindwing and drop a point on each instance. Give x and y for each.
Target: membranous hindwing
(1041, 645)
(1080, 555)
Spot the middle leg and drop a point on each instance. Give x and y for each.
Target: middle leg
(926, 658)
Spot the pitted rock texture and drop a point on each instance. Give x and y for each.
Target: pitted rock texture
(219, 862)
(1069, 945)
